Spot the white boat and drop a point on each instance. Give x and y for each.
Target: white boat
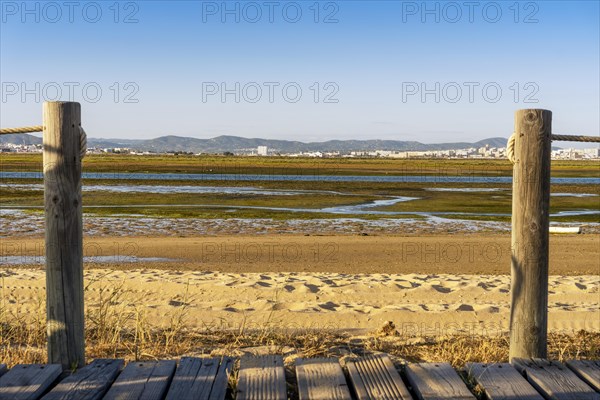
(565, 229)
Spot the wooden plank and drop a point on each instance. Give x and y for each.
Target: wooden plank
(437, 381)
(502, 382)
(530, 233)
(261, 378)
(63, 233)
(375, 377)
(148, 380)
(87, 383)
(28, 381)
(554, 381)
(321, 379)
(587, 370)
(219, 389)
(194, 379)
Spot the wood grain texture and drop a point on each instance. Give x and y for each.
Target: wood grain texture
(221, 384)
(194, 379)
(261, 378)
(431, 381)
(321, 379)
(375, 377)
(88, 383)
(64, 243)
(554, 380)
(587, 370)
(502, 382)
(530, 237)
(147, 380)
(28, 381)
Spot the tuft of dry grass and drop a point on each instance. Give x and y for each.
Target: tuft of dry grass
(117, 326)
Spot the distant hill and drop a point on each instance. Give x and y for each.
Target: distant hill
(234, 144)
(20, 138)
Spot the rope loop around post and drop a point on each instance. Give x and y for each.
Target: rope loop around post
(82, 143)
(510, 148)
(510, 145)
(40, 128)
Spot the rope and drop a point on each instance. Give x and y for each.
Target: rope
(40, 128)
(573, 138)
(25, 129)
(510, 148)
(82, 143)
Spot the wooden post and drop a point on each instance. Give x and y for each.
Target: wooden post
(64, 243)
(530, 223)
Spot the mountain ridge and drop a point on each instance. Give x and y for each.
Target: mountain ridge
(224, 143)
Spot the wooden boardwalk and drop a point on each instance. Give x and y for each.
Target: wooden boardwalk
(264, 378)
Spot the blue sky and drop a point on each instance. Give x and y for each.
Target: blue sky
(431, 72)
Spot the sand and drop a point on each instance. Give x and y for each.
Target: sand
(420, 305)
(474, 254)
(428, 285)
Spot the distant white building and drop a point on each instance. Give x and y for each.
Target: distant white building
(592, 153)
(262, 150)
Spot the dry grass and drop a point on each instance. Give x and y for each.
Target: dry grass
(460, 349)
(117, 326)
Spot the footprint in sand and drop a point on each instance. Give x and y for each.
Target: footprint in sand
(465, 307)
(289, 288)
(312, 288)
(263, 284)
(331, 306)
(485, 286)
(413, 285)
(441, 289)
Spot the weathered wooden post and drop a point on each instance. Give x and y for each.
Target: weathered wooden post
(530, 223)
(64, 243)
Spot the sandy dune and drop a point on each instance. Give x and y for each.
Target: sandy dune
(418, 304)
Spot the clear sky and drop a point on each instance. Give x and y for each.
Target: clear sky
(306, 70)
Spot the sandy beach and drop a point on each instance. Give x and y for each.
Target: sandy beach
(420, 305)
(431, 285)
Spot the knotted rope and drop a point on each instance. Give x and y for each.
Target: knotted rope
(40, 128)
